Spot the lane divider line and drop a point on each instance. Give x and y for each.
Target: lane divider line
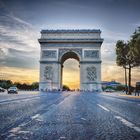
(18, 99)
(83, 119)
(104, 108)
(35, 116)
(127, 123)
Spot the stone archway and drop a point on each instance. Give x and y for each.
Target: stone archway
(59, 45)
(68, 54)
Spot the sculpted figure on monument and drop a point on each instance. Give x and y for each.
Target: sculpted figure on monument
(48, 72)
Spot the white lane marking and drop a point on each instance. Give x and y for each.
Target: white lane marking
(83, 119)
(62, 138)
(104, 108)
(11, 135)
(39, 117)
(35, 116)
(23, 124)
(15, 130)
(39, 120)
(24, 132)
(17, 100)
(127, 123)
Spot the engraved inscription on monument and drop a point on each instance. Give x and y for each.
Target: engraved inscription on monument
(91, 54)
(49, 54)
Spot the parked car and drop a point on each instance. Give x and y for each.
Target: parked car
(2, 89)
(109, 90)
(13, 90)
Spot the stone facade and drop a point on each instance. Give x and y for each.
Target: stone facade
(60, 45)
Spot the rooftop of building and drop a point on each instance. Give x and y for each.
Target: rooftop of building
(72, 31)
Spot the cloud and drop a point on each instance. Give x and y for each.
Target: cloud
(16, 58)
(137, 24)
(19, 75)
(71, 65)
(18, 41)
(71, 4)
(114, 72)
(108, 53)
(108, 49)
(114, 35)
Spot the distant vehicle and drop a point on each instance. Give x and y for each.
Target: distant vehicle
(2, 89)
(13, 90)
(109, 90)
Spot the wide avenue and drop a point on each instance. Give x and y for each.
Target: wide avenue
(69, 115)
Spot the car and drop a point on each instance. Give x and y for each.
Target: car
(2, 89)
(13, 90)
(109, 90)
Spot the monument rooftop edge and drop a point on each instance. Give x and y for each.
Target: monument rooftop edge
(72, 31)
(71, 40)
(83, 35)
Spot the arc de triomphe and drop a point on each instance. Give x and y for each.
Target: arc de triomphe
(60, 45)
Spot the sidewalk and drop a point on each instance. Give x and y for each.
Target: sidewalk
(130, 96)
(121, 94)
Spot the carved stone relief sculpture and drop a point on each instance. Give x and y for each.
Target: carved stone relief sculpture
(48, 73)
(49, 54)
(91, 73)
(63, 51)
(91, 54)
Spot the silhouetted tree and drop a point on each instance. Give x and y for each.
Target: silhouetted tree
(6, 83)
(128, 54)
(65, 87)
(122, 50)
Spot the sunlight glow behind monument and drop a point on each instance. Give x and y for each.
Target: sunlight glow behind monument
(71, 74)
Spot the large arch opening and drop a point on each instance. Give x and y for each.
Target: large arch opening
(70, 72)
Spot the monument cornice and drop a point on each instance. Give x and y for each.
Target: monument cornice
(98, 40)
(81, 62)
(49, 62)
(72, 31)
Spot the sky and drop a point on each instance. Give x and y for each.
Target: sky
(22, 20)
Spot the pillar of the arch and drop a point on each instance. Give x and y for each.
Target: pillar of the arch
(61, 77)
(57, 77)
(50, 84)
(85, 84)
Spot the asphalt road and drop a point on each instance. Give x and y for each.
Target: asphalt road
(68, 116)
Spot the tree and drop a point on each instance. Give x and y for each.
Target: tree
(65, 87)
(135, 46)
(128, 54)
(6, 83)
(134, 53)
(121, 59)
(35, 85)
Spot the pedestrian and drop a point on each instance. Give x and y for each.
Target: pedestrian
(137, 89)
